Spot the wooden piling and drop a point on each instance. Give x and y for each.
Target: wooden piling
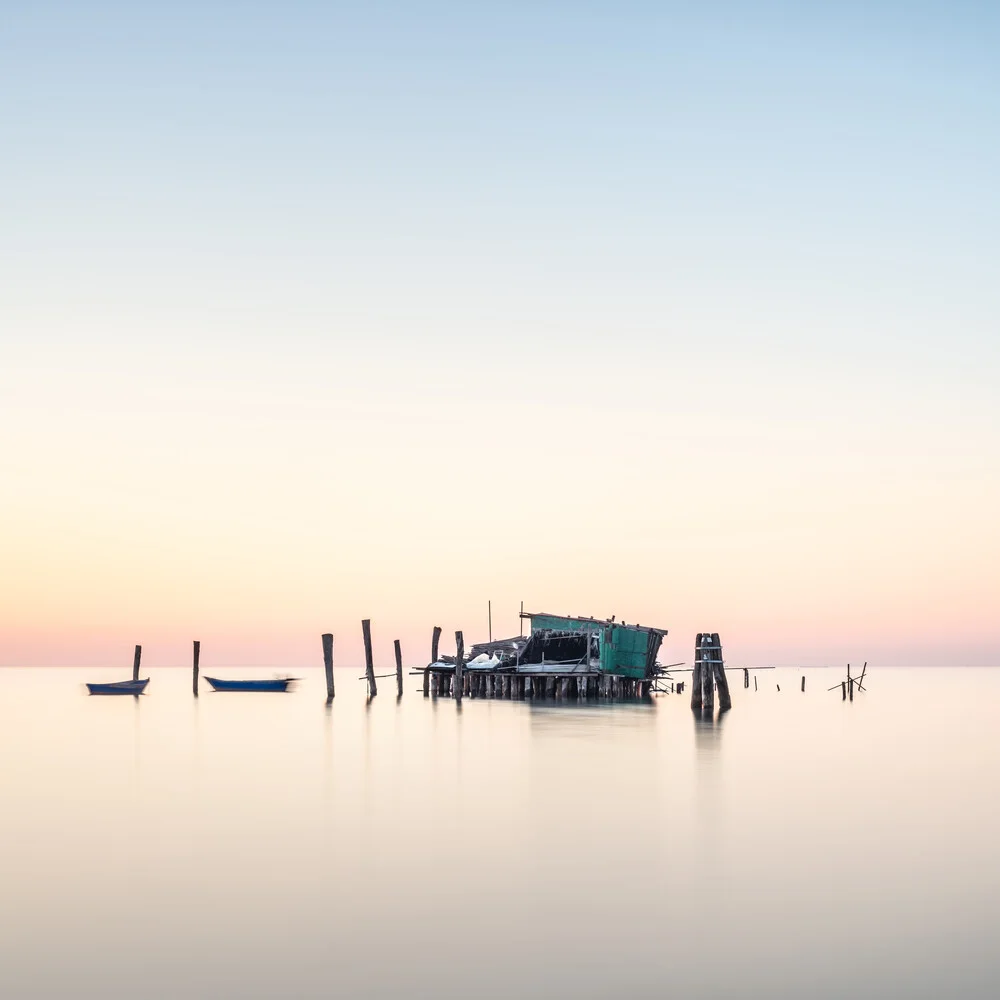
(435, 639)
(427, 681)
(399, 669)
(366, 629)
(803, 683)
(194, 669)
(459, 664)
(135, 663)
(719, 668)
(696, 686)
(746, 677)
(843, 690)
(755, 682)
(707, 689)
(328, 664)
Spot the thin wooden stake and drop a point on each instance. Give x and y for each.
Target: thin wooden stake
(399, 670)
(366, 628)
(197, 657)
(135, 663)
(328, 664)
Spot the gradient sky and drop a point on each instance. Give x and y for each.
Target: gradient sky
(687, 313)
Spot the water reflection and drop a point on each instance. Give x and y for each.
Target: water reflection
(536, 828)
(707, 730)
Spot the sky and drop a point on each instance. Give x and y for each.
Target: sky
(686, 313)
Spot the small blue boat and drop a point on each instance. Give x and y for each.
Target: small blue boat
(275, 684)
(119, 687)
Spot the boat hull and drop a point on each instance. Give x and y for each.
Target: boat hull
(119, 687)
(275, 684)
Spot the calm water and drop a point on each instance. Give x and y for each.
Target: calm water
(251, 845)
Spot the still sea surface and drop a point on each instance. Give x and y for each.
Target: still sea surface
(261, 845)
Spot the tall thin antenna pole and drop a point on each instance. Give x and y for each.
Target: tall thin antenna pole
(521, 621)
(489, 612)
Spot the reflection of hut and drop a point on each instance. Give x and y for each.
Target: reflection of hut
(565, 645)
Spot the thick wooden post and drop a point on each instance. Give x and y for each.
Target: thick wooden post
(435, 639)
(725, 700)
(459, 664)
(746, 677)
(427, 681)
(696, 682)
(399, 669)
(366, 628)
(328, 664)
(843, 690)
(707, 688)
(803, 683)
(194, 672)
(135, 663)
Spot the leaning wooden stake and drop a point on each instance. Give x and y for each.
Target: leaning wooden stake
(328, 664)
(459, 664)
(366, 628)
(135, 663)
(399, 670)
(197, 657)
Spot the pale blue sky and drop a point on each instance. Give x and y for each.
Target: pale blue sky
(767, 230)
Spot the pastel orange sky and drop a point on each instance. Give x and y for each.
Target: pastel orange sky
(388, 333)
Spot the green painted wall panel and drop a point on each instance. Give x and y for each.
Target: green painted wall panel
(623, 649)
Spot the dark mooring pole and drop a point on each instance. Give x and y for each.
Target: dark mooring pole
(721, 682)
(459, 664)
(435, 640)
(194, 669)
(366, 628)
(328, 664)
(696, 682)
(135, 663)
(399, 669)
